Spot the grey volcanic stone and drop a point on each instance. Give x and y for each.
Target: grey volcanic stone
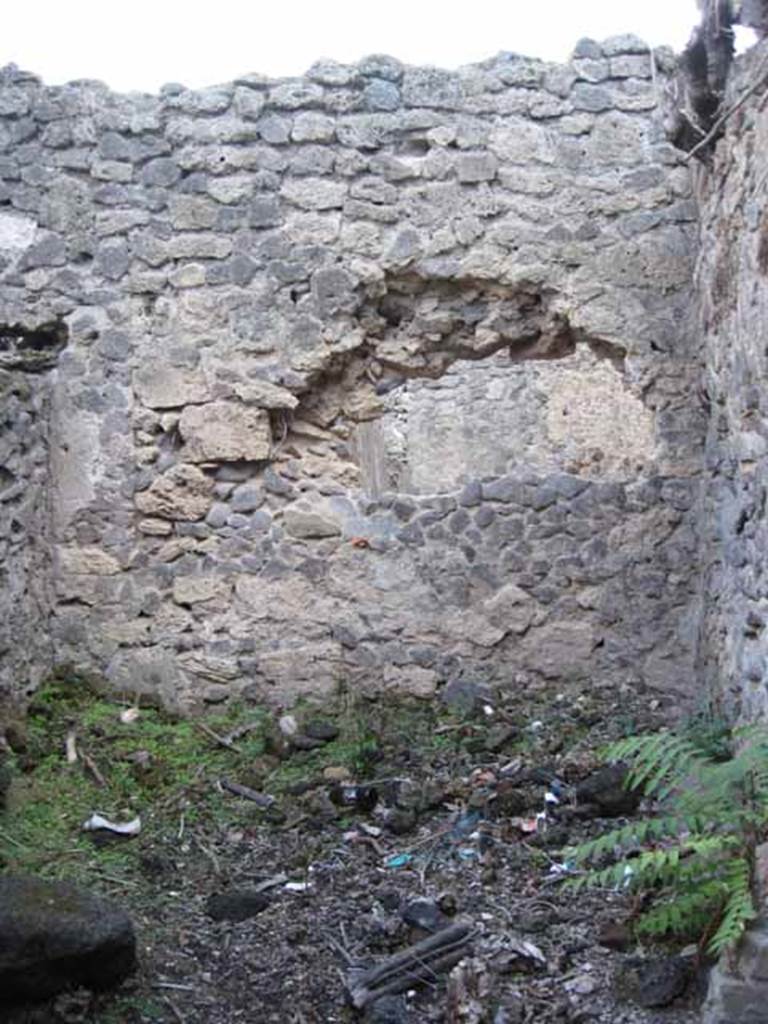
(606, 790)
(54, 935)
(236, 905)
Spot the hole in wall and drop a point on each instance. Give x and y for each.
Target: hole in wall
(413, 146)
(461, 378)
(32, 349)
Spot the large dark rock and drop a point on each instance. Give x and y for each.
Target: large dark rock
(662, 981)
(54, 935)
(606, 792)
(236, 905)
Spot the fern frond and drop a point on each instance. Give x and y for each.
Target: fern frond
(739, 908)
(658, 762)
(634, 834)
(698, 858)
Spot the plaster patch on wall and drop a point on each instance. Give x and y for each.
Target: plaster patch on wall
(575, 414)
(594, 420)
(16, 231)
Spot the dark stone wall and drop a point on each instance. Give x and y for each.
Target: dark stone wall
(732, 281)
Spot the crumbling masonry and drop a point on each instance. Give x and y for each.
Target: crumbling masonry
(383, 377)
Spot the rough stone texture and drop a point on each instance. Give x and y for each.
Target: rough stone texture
(732, 279)
(25, 536)
(383, 376)
(54, 935)
(737, 991)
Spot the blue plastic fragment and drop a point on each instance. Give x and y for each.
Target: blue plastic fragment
(399, 860)
(466, 824)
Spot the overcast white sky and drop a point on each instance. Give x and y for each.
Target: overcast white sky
(141, 44)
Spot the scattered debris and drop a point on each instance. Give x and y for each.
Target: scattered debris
(468, 992)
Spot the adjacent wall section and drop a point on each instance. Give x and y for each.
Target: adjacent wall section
(27, 358)
(383, 376)
(733, 295)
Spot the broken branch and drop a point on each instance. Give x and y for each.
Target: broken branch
(421, 962)
(263, 800)
(221, 740)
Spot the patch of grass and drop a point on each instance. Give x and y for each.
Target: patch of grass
(155, 767)
(132, 1008)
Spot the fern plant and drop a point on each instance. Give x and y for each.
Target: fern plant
(697, 855)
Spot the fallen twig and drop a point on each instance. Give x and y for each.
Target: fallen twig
(13, 842)
(242, 730)
(91, 766)
(263, 800)
(210, 855)
(115, 880)
(221, 740)
(345, 955)
(421, 962)
(175, 1010)
(760, 79)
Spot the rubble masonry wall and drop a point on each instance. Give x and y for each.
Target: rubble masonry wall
(379, 377)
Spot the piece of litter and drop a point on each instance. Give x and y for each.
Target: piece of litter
(399, 860)
(296, 886)
(270, 883)
(467, 853)
(370, 830)
(550, 798)
(98, 821)
(566, 868)
(524, 948)
(525, 825)
(128, 715)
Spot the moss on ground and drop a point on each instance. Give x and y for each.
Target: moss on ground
(165, 770)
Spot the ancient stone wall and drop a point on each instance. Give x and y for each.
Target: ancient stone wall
(732, 280)
(382, 376)
(25, 358)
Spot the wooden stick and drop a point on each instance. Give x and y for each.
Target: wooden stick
(713, 131)
(175, 1010)
(263, 800)
(221, 740)
(90, 764)
(421, 962)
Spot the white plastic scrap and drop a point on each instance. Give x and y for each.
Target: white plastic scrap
(98, 821)
(128, 715)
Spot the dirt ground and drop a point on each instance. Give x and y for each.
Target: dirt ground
(421, 819)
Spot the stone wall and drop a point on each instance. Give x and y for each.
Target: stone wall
(732, 279)
(382, 376)
(25, 359)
